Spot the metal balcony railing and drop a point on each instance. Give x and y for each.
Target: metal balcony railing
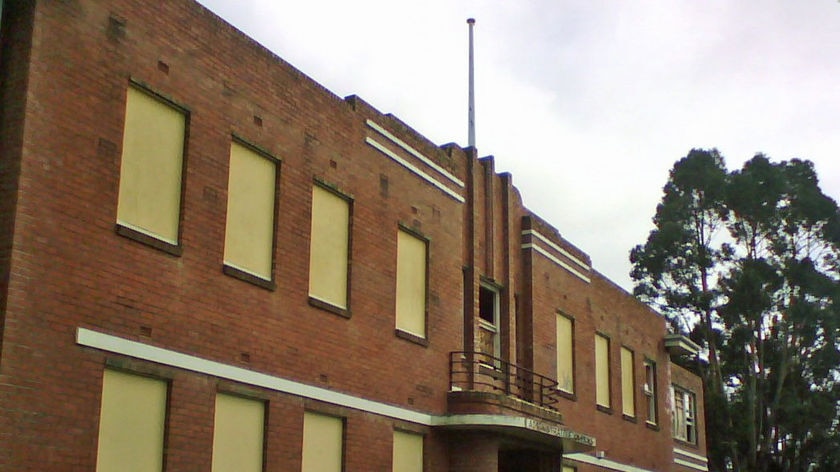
(477, 371)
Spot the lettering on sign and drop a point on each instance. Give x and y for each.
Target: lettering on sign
(558, 431)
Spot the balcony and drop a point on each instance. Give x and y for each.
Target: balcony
(488, 395)
(478, 373)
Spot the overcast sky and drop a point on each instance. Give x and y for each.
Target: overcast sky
(588, 103)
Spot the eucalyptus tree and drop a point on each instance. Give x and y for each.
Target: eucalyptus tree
(761, 297)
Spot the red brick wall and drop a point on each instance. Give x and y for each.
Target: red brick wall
(70, 269)
(602, 307)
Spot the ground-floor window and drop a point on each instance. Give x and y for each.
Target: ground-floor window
(132, 421)
(323, 443)
(408, 452)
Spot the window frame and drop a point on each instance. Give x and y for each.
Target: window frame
(689, 430)
(125, 229)
(650, 391)
(315, 301)
(227, 269)
(496, 326)
(401, 333)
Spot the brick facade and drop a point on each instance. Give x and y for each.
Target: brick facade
(76, 297)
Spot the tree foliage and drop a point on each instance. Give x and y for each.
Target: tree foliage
(746, 264)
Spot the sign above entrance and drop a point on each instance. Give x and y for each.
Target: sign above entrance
(558, 431)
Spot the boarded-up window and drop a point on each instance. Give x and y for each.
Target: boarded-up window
(131, 423)
(151, 166)
(408, 452)
(411, 284)
(602, 370)
(323, 443)
(238, 434)
(565, 355)
(328, 249)
(628, 389)
(249, 230)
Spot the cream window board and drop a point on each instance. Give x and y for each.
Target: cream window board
(411, 284)
(408, 452)
(565, 360)
(131, 423)
(329, 247)
(249, 227)
(151, 167)
(323, 443)
(628, 404)
(602, 370)
(238, 432)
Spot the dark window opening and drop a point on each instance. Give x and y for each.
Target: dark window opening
(487, 305)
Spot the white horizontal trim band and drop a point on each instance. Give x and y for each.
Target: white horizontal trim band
(138, 350)
(603, 463)
(399, 142)
(106, 342)
(691, 465)
(690, 454)
(556, 261)
(384, 150)
(557, 248)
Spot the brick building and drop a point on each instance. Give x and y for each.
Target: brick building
(210, 262)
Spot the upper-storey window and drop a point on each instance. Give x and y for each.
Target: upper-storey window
(149, 206)
(238, 431)
(650, 390)
(684, 415)
(488, 328)
(329, 249)
(628, 383)
(249, 229)
(411, 284)
(131, 423)
(602, 371)
(565, 353)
